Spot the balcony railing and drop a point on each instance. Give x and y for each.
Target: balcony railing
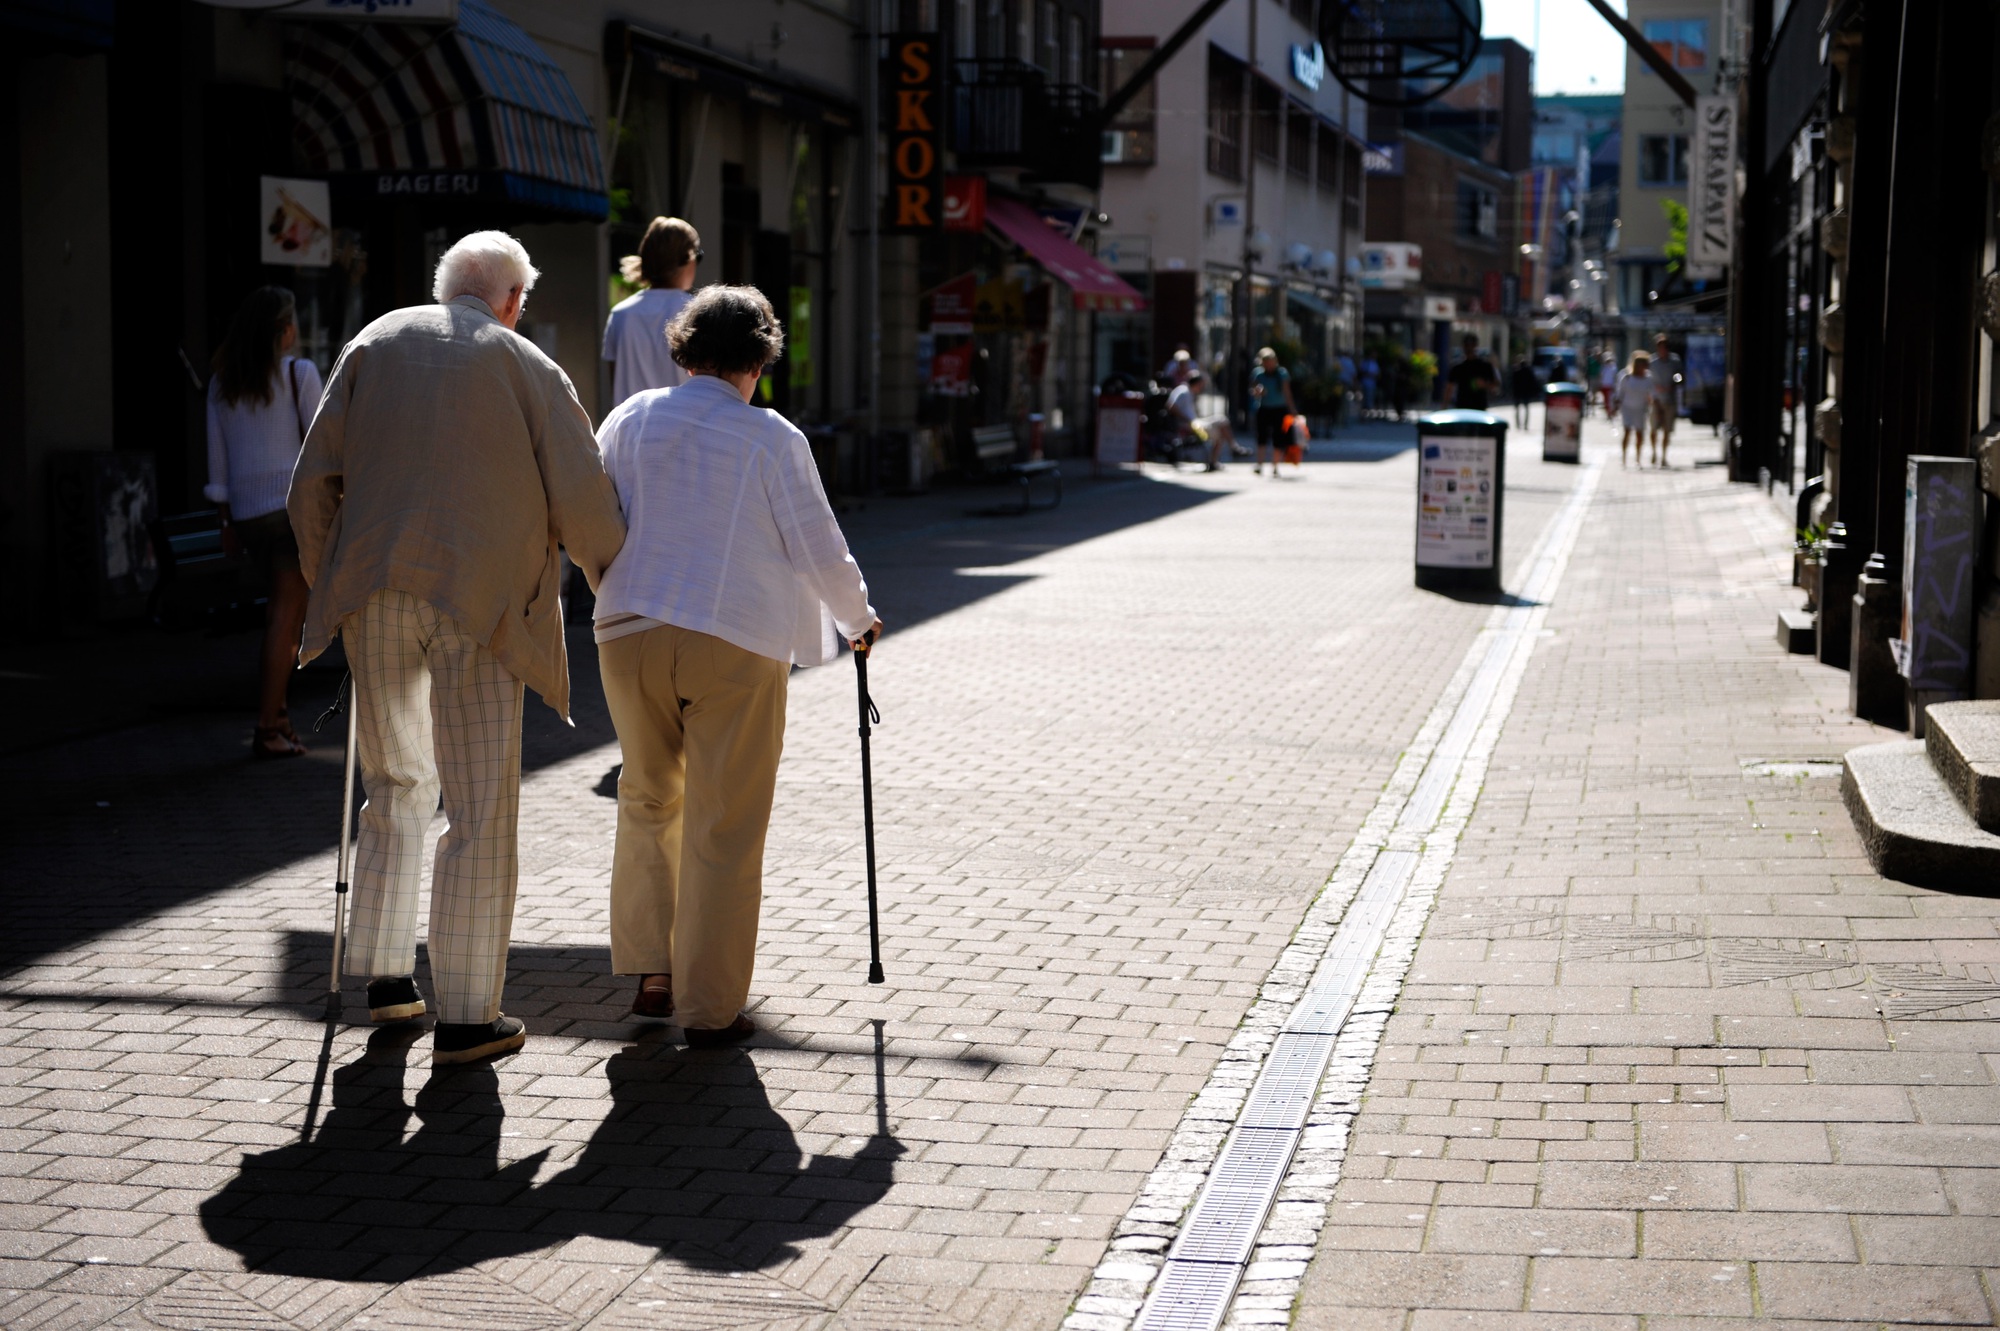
(1007, 113)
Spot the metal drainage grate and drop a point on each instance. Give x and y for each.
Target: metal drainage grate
(1223, 1223)
(1189, 1296)
(1326, 1005)
(1284, 1091)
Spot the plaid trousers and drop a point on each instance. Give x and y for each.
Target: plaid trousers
(434, 702)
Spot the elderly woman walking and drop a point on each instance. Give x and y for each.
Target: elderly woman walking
(733, 571)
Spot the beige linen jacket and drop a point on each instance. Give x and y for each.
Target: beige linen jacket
(448, 459)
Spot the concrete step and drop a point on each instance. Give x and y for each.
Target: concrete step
(1963, 739)
(1914, 829)
(1798, 631)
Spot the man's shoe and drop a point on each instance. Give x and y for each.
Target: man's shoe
(736, 1031)
(657, 1002)
(394, 999)
(468, 1042)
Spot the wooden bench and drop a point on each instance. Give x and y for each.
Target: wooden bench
(994, 446)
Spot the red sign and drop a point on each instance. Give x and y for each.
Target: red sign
(951, 371)
(965, 203)
(914, 116)
(954, 305)
(1491, 300)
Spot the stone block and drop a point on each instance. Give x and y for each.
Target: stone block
(1912, 827)
(1962, 740)
(1798, 631)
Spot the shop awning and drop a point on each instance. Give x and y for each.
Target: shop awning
(1092, 286)
(1307, 300)
(473, 109)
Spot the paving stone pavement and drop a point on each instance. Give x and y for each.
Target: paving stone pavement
(1124, 744)
(1670, 1054)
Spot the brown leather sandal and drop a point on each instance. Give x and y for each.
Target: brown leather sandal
(654, 1000)
(270, 742)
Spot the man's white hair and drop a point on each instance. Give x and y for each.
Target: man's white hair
(486, 264)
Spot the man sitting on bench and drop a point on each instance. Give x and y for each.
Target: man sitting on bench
(1211, 430)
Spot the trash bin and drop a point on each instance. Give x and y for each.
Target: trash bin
(1461, 479)
(1562, 422)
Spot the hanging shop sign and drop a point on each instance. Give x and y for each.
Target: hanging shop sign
(296, 217)
(910, 81)
(1400, 52)
(1392, 265)
(1000, 307)
(1712, 184)
(1309, 65)
(953, 304)
(965, 203)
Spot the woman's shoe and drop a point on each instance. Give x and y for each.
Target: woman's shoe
(655, 1001)
(734, 1033)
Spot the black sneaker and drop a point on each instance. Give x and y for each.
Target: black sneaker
(394, 999)
(468, 1042)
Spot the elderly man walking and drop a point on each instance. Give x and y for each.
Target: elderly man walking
(449, 459)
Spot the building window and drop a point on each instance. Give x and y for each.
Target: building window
(1267, 110)
(1683, 41)
(1298, 140)
(1478, 214)
(1663, 159)
(1129, 138)
(1329, 157)
(1225, 116)
(1302, 10)
(1049, 34)
(1073, 51)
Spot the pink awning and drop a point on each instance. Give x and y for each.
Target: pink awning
(1092, 286)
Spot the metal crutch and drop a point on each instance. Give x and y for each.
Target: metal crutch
(868, 715)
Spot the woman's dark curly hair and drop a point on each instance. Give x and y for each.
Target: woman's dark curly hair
(725, 330)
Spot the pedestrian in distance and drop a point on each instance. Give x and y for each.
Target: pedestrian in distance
(261, 401)
(1633, 399)
(448, 461)
(1183, 410)
(1371, 379)
(1472, 382)
(1178, 367)
(733, 572)
(1525, 388)
(1271, 401)
(635, 336)
(1668, 373)
(1607, 384)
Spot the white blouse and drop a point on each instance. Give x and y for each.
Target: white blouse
(635, 341)
(253, 446)
(727, 529)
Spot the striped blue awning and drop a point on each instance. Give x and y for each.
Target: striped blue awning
(476, 100)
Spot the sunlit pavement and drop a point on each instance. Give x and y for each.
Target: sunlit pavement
(1667, 1046)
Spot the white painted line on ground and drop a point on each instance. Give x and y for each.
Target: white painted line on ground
(1227, 1221)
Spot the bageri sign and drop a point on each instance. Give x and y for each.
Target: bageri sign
(915, 110)
(1712, 187)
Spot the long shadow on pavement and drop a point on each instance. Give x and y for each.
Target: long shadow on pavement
(104, 831)
(691, 1158)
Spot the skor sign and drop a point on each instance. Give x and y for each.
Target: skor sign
(1309, 65)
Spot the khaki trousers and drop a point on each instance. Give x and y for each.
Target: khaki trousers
(702, 724)
(434, 702)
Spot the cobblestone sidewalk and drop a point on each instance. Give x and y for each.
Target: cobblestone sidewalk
(1123, 745)
(1670, 1055)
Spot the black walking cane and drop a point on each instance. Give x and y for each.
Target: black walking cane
(868, 715)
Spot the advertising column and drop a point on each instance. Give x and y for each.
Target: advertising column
(1461, 466)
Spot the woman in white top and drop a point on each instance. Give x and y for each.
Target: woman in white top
(635, 336)
(732, 572)
(1634, 398)
(261, 402)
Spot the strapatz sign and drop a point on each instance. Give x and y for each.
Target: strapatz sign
(914, 116)
(1712, 184)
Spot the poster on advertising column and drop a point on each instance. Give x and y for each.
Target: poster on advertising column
(1456, 477)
